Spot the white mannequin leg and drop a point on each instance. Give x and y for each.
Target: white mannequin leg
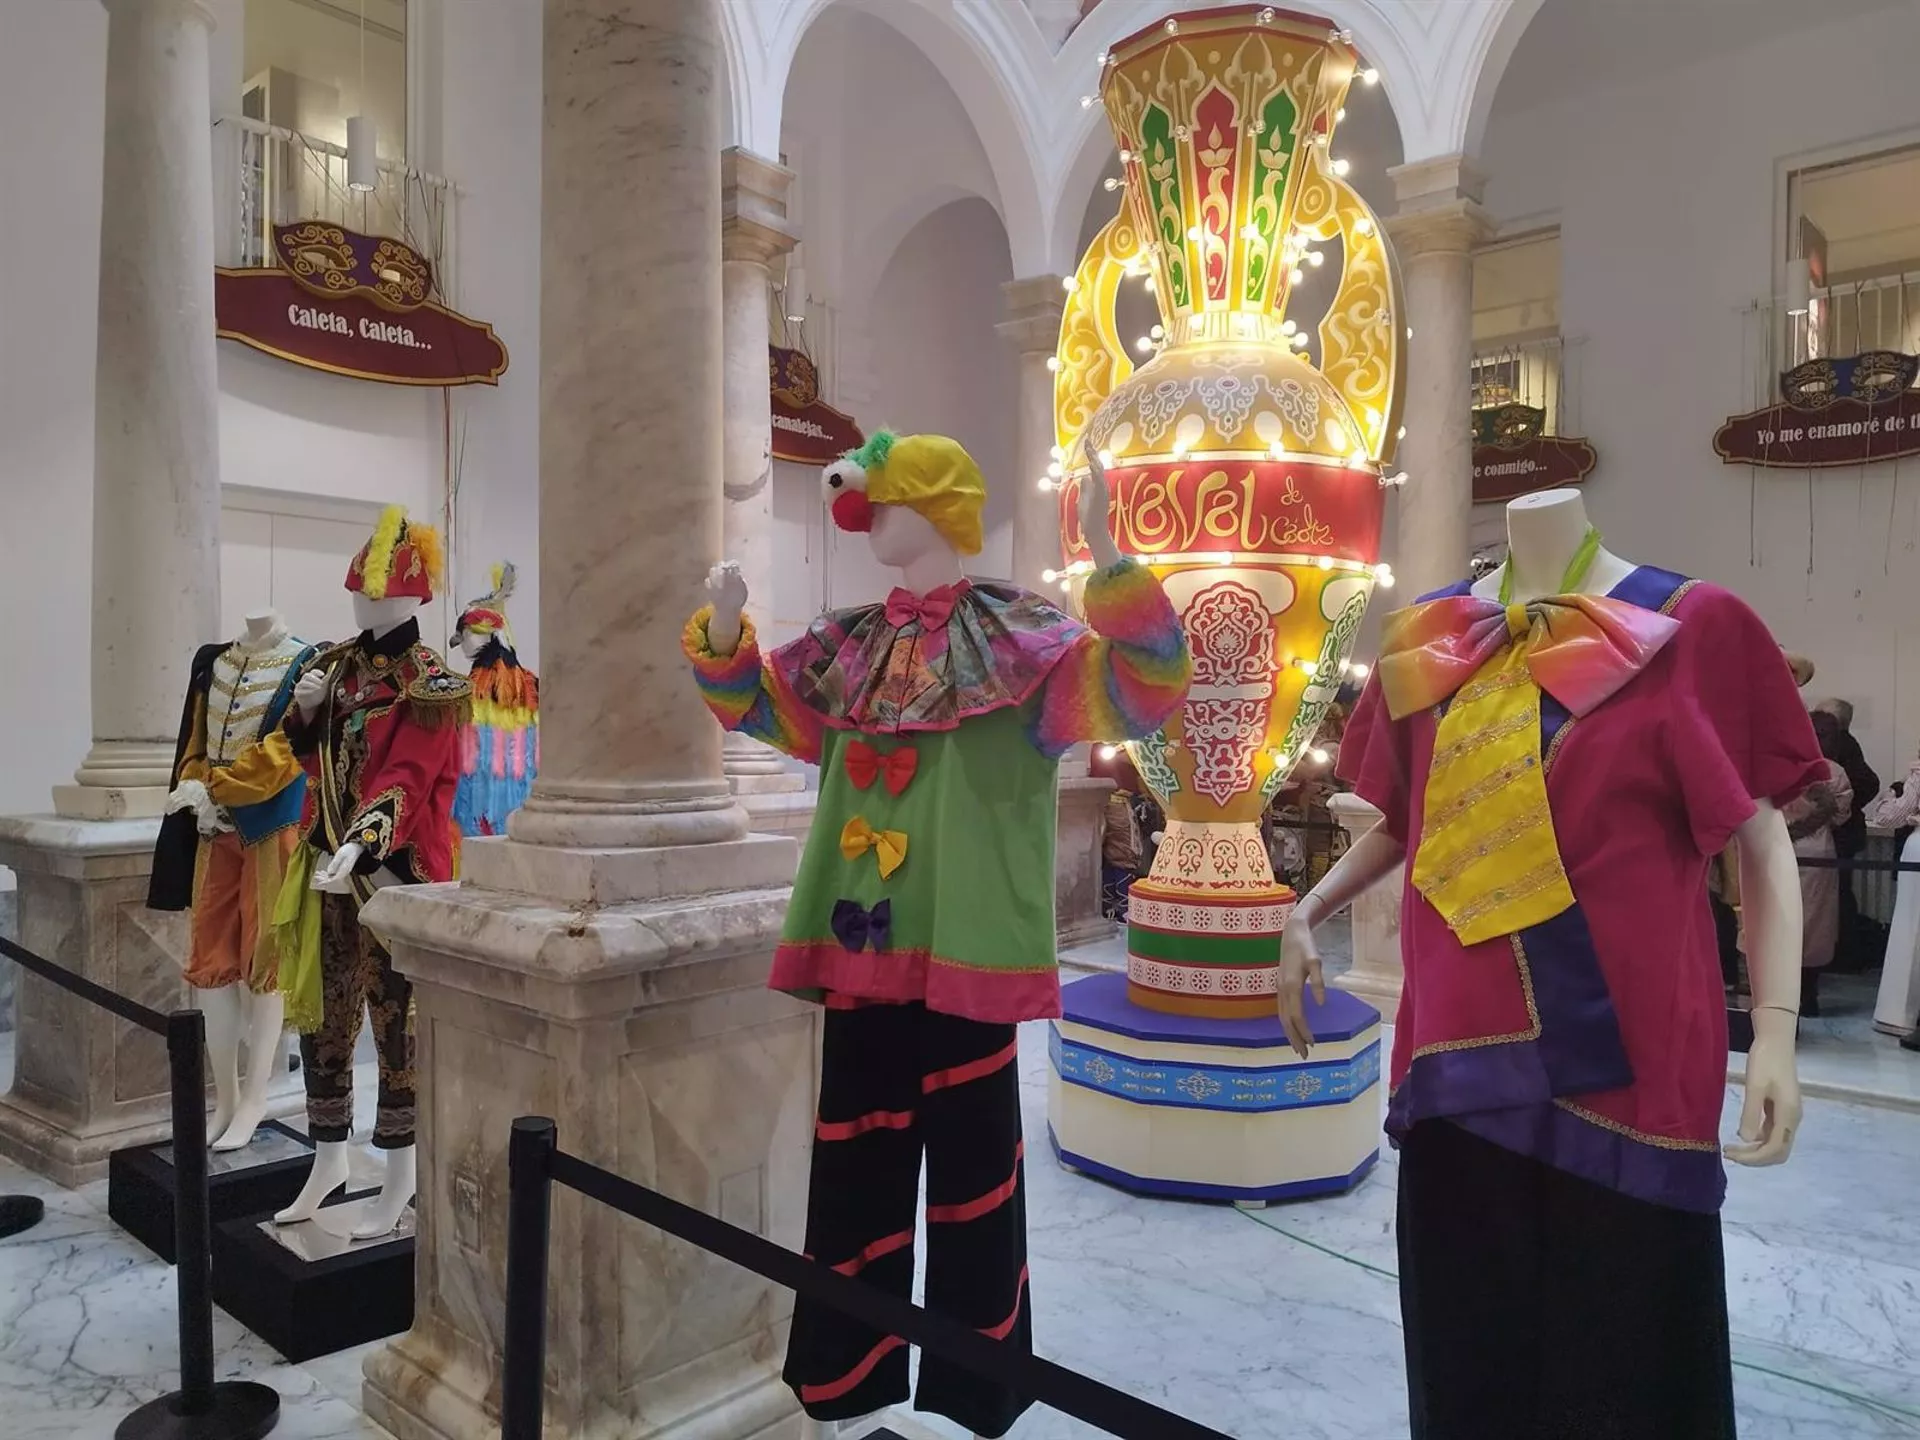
(266, 1018)
(395, 1191)
(329, 1173)
(225, 1008)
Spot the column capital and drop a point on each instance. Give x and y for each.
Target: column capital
(1034, 307)
(753, 208)
(1440, 210)
(168, 9)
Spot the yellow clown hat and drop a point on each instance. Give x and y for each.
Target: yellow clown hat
(928, 473)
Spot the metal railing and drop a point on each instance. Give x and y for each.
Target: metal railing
(268, 175)
(1531, 372)
(200, 1409)
(536, 1163)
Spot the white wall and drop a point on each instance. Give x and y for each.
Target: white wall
(318, 439)
(1665, 190)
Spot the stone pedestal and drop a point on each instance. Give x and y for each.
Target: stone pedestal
(1439, 223)
(1377, 970)
(645, 1030)
(86, 1082)
(1078, 839)
(1032, 328)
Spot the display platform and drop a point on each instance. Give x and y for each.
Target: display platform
(265, 1176)
(1212, 1109)
(311, 1289)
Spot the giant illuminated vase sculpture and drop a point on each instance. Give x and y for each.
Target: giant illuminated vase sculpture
(1250, 477)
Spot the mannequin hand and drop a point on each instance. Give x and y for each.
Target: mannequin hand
(336, 876)
(308, 691)
(1771, 1113)
(1096, 500)
(727, 592)
(1299, 968)
(212, 820)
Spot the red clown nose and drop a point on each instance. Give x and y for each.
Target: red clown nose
(853, 511)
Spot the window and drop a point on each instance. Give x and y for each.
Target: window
(1857, 224)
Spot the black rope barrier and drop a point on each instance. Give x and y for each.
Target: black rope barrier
(535, 1163)
(1823, 862)
(201, 1409)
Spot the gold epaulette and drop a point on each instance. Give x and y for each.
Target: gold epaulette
(442, 697)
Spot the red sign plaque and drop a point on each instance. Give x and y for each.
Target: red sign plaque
(1845, 432)
(1503, 472)
(806, 429)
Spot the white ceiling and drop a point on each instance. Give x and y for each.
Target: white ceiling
(1574, 46)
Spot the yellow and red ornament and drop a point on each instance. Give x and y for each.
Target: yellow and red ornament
(1248, 476)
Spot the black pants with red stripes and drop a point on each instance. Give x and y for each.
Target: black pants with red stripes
(897, 1081)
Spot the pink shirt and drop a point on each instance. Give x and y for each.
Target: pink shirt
(1597, 1042)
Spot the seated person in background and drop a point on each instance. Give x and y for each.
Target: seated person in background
(1851, 838)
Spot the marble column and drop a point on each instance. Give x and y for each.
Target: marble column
(630, 428)
(605, 963)
(1439, 223)
(1377, 970)
(754, 233)
(1032, 328)
(85, 1082)
(156, 461)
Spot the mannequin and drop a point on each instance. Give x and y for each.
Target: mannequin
(378, 719)
(922, 916)
(1568, 1138)
(500, 752)
(233, 822)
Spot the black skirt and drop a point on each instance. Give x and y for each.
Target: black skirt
(1539, 1306)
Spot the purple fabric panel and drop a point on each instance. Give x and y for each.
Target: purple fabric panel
(1679, 1179)
(1580, 1045)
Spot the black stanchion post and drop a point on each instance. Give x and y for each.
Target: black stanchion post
(199, 1409)
(529, 1218)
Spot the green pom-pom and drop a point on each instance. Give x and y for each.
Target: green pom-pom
(872, 455)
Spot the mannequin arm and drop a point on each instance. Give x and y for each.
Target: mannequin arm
(743, 693)
(1125, 678)
(1770, 915)
(1368, 861)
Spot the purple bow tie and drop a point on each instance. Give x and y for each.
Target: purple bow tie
(855, 926)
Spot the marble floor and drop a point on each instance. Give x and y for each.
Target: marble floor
(1277, 1323)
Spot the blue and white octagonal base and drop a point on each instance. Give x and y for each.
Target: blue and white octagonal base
(1213, 1109)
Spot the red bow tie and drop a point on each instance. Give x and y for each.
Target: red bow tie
(896, 768)
(932, 609)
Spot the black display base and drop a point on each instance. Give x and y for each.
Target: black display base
(241, 1410)
(264, 1176)
(308, 1293)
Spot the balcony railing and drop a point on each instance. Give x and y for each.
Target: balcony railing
(1838, 321)
(267, 176)
(1529, 372)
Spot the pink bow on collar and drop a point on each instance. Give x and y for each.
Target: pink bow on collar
(932, 609)
(1580, 648)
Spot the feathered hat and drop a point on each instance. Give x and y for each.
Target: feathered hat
(402, 558)
(488, 614)
(927, 473)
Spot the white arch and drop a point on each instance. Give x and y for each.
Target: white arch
(1499, 40)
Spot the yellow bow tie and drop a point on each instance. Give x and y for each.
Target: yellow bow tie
(889, 846)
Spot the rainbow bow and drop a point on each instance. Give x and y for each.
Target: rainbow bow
(895, 769)
(1580, 649)
(889, 846)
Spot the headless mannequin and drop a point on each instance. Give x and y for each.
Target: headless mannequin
(907, 541)
(235, 1014)
(1544, 531)
(335, 874)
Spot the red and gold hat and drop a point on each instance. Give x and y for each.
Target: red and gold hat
(402, 558)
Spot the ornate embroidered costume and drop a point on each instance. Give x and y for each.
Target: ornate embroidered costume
(922, 915)
(1562, 775)
(500, 746)
(383, 747)
(234, 814)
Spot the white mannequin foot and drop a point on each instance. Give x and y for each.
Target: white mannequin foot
(383, 1218)
(224, 1008)
(266, 1017)
(329, 1173)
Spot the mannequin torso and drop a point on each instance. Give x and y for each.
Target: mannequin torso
(1544, 532)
